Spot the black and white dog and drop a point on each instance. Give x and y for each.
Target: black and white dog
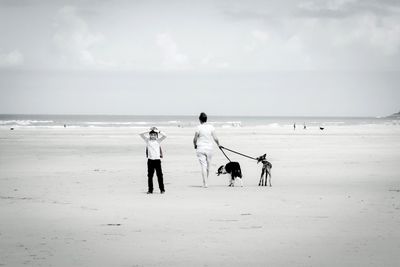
(265, 171)
(233, 168)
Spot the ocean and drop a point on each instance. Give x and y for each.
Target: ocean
(134, 121)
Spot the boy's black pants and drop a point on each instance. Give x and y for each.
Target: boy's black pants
(154, 165)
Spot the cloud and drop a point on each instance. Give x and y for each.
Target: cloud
(11, 59)
(269, 50)
(212, 62)
(332, 34)
(235, 35)
(74, 40)
(258, 40)
(265, 10)
(382, 34)
(172, 58)
(346, 8)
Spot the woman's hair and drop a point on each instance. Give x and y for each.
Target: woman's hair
(203, 117)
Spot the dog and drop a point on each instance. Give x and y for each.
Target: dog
(266, 169)
(233, 168)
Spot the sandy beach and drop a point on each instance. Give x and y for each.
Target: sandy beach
(77, 197)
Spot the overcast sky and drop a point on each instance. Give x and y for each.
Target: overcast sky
(292, 57)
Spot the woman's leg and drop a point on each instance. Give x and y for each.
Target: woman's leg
(208, 157)
(204, 167)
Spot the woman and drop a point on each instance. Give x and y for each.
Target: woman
(203, 143)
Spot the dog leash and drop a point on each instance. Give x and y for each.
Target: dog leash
(220, 147)
(233, 151)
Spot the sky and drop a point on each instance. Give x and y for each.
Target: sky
(224, 57)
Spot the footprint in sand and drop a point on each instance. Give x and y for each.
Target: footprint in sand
(252, 227)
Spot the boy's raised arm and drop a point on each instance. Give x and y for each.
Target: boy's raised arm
(162, 136)
(143, 135)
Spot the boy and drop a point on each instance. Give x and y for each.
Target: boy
(154, 155)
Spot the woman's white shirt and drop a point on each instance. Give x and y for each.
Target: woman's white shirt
(205, 138)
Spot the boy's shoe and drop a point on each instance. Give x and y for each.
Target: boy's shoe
(148, 192)
(162, 192)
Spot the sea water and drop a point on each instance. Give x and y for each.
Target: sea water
(134, 121)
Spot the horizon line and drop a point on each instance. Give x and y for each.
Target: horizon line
(185, 115)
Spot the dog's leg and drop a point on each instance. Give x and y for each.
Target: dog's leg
(261, 177)
(266, 175)
(270, 177)
(231, 180)
(241, 182)
(266, 178)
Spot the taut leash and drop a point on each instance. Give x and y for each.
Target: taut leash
(233, 151)
(220, 147)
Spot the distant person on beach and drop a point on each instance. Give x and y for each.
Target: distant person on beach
(203, 143)
(305, 126)
(154, 156)
(294, 126)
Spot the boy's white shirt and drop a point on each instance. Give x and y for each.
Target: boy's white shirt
(205, 138)
(153, 146)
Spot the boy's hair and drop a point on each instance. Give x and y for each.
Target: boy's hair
(153, 132)
(203, 117)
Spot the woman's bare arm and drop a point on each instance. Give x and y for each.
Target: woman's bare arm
(214, 135)
(196, 135)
